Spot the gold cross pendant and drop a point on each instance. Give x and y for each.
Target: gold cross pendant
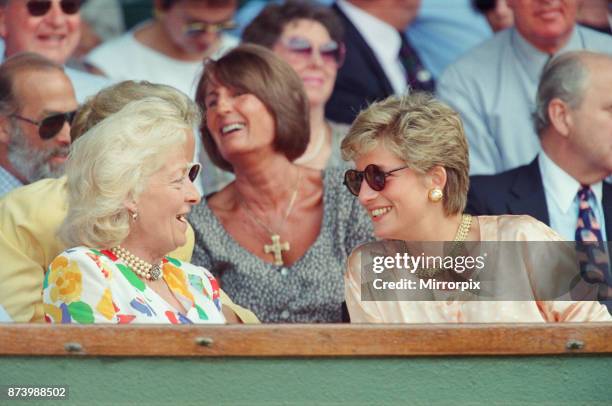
(276, 248)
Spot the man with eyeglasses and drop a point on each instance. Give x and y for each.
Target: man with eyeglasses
(170, 48)
(50, 28)
(37, 103)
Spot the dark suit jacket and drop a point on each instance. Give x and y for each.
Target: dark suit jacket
(361, 80)
(521, 191)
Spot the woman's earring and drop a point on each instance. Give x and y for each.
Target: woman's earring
(134, 215)
(435, 195)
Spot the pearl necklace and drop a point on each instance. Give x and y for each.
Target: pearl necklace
(139, 266)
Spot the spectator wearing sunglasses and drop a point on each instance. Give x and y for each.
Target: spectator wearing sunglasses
(50, 28)
(37, 103)
(411, 159)
(278, 236)
(309, 38)
(28, 231)
(170, 48)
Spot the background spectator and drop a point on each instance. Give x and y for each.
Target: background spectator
(309, 38)
(493, 86)
(380, 60)
(37, 103)
(51, 29)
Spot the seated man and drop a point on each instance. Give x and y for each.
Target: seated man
(574, 124)
(493, 86)
(564, 185)
(49, 28)
(37, 103)
(28, 240)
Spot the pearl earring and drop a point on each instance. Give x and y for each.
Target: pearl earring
(435, 195)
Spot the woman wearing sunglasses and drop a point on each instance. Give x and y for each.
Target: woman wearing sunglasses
(411, 159)
(309, 38)
(130, 188)
(279, 235)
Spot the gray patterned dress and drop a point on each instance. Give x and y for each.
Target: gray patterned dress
(312, 289)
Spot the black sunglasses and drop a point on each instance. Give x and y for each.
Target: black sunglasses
(38, 8)
(374, 176)
(193, 170)
(48, 127)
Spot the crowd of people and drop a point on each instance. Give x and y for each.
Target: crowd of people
(179, 172)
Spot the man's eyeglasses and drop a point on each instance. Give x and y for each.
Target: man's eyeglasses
(197, 28)
(50, 126)
(38, 8)
(330, 52)
(374, 176)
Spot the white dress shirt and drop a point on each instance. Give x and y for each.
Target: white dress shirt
(383, 39)
(561, 191)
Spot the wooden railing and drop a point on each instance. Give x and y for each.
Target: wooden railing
(305, 340)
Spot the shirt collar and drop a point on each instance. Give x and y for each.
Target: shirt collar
(532, 59)
(560, 185)
(7, 179)
(381, 37)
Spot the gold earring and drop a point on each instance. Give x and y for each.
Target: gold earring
(435, 195)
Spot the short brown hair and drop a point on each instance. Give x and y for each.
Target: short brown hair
(268, 26)
(421, 131)
(16, 64)
(253, 69)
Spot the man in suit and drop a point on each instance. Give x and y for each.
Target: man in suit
(573, 119)
(380, 61)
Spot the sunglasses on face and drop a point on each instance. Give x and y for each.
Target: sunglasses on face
(374, 176)
(330, 52)
(193, 169)
(50, 126)
(197, 28)
(38, 8)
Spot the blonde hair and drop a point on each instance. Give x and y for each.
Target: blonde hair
(113, 161)
(421, 131)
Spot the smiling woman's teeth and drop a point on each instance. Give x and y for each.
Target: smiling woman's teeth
(181, 217)
(380, 212)
(232, 127)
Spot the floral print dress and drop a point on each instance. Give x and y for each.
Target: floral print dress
(85, 285)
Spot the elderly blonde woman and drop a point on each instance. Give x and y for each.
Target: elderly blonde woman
(129, 192)
(411, 176)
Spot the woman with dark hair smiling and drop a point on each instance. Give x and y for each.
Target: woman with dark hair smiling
(278, 236)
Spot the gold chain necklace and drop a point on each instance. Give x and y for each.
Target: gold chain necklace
(276, 247)
(139, 266)
(460, 237)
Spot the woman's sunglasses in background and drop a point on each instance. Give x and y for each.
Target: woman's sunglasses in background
(330, 52)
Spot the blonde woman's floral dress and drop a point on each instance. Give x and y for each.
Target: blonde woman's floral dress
(85, 285)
